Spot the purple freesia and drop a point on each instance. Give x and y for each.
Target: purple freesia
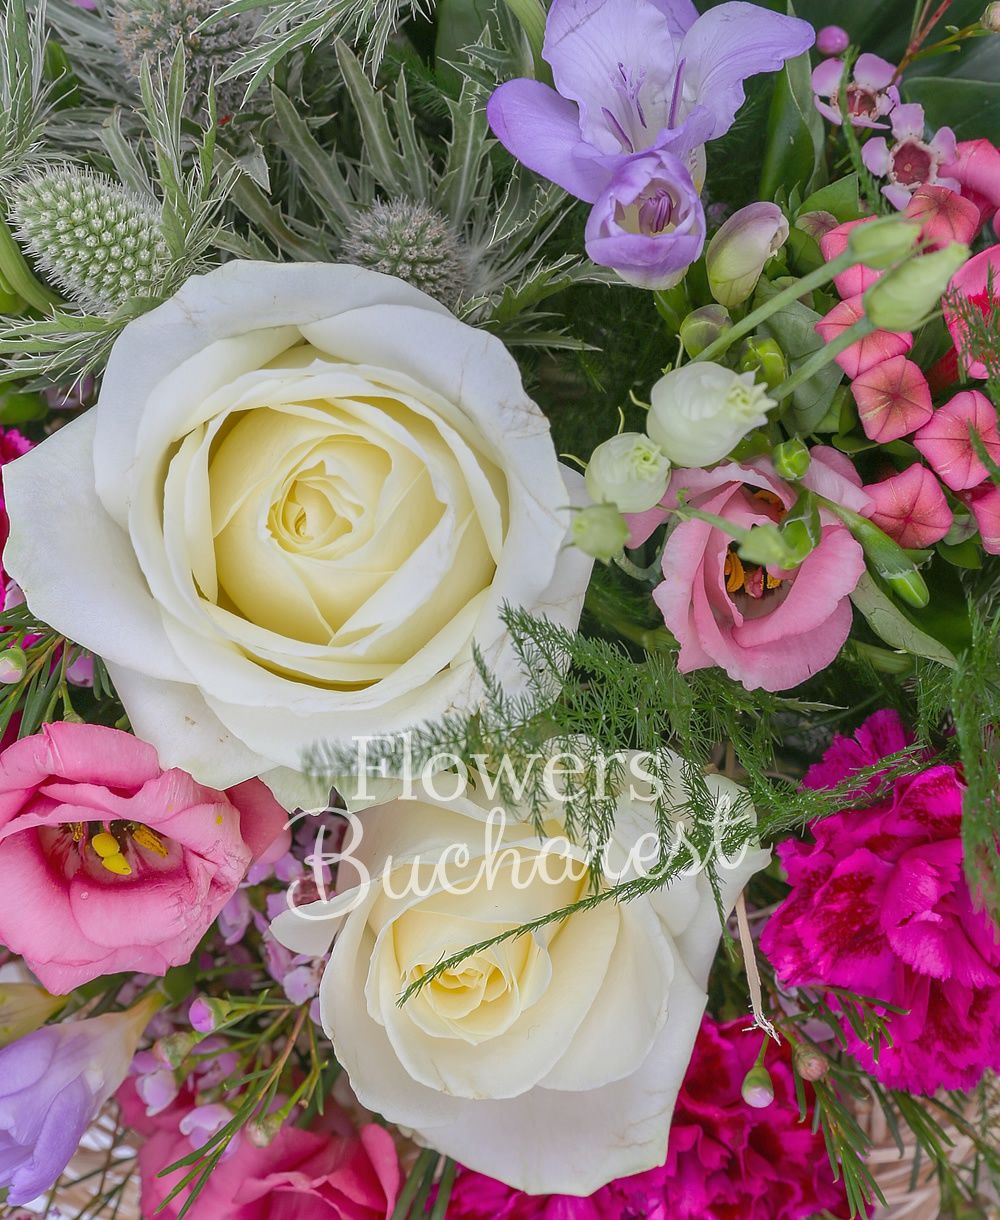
(633, 77)
(52, 1083)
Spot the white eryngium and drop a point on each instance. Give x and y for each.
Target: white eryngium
(412, 241)
(99, 243)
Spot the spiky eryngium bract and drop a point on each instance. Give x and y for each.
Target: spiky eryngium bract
(413, 242)
(151, 29)
(98, 242)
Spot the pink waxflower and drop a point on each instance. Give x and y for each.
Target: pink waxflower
(984, 504)
(766, 628)
(945, 216)
(879, 905)
(871, 95)
(911, 507)
(912, 161)
(978, 282)
(893, 399)
(946, 442)
(12, 445)
(873, 349)
(109, 863)
(855, 280)
(725, 1160)
(976, 168)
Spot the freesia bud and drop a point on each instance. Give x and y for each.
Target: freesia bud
(791, 458)
(904, 296)
(600, 531)
(13, 665)
(701, 411)
(990, 20)
(832, 40)
(24, 1007)
(629, 471)
(737, 253)
(702, 327)
(758, 1087)
(764, 356)
(883, 242)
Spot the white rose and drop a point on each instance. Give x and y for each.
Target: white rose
(303, 493)
(701, 411)
(550, 1061)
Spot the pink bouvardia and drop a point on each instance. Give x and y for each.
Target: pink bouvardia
(984, 504)
(874, 348)
(893, 399)
(879, 905)
(946, 440)
(976, 168)
(724, 1158)
(911, 507)
(945, 216)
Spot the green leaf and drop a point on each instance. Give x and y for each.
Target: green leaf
(841, 199)
(971, 108)
(459, 25)
(890, 624)
(794, 149)
(794, 328)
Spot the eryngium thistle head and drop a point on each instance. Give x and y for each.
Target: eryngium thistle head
(151, 29)
(97, 242)
(414, 243)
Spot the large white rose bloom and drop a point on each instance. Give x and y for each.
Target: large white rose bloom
(304, 492)
(551, 1061)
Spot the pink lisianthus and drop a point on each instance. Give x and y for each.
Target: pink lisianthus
(109, 863)
(724, 1159)
(976, 168)
(871, 95)
(329, 1172)
(767, 629)
(911, 507)
(911, 161)
(946, 440)
(978, 281)
(880, 906)
(12, 445)
(893, 399)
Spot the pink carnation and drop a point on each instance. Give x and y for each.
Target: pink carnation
(725, 1160)
(108, 863)
(879, 905)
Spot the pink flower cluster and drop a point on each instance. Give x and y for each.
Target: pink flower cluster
(894, 399)
(12, 445)
(725, 1160)
(879, 905)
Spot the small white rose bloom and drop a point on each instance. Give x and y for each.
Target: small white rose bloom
(629, 471)
(701, 411)
(739, 251)
(304, 492)
(551, 1061)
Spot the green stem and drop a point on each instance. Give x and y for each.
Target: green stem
(822, 357)
(17, 274)
(815, 279)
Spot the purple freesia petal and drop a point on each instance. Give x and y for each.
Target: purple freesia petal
(542, 130)
(680, 14)
(729, 43)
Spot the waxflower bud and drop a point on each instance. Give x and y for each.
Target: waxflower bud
(882, 243)
(628, 471)
(816, 224)
(600, 531)
(701, 411)
(810, 1063)
(13, 665)
(791, 458)
(990, 20)
(764, 356)
(262, 1132)
(737, 253)
(904, 296)
(758, 1087)
(832, 40)
(702, 327)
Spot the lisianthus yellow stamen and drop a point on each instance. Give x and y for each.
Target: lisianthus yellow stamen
(148, 838)
(733, 572)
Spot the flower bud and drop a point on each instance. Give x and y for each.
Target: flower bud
(261, 1132)
(600, 531)
(24, 1007)
(810, 1063)
(816, 224)
(886, 557)
(904, 296)
(832, 40)
(764, 356)
(702, 327)
(701, 411)
(13, 665)
(628, 471)
(791, 458)
(883, 242)
(990, 20)
(758, 1088)
(737, 253)
(202, 1015)
(175, 1048)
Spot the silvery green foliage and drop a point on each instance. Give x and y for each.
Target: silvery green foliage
(150, 30)
(413, 242)
(98, 242)
(24, 93)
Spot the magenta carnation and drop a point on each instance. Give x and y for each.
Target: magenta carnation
(12, 445)
(725, 1160)
(880, 906)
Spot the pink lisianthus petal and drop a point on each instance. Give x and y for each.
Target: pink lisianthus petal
(893, 399)
(831, 474)
(945, 217)
(946, 443)
(911, 507)
(855, 280)
(984, 503)
(973, 280)
(879, 346)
